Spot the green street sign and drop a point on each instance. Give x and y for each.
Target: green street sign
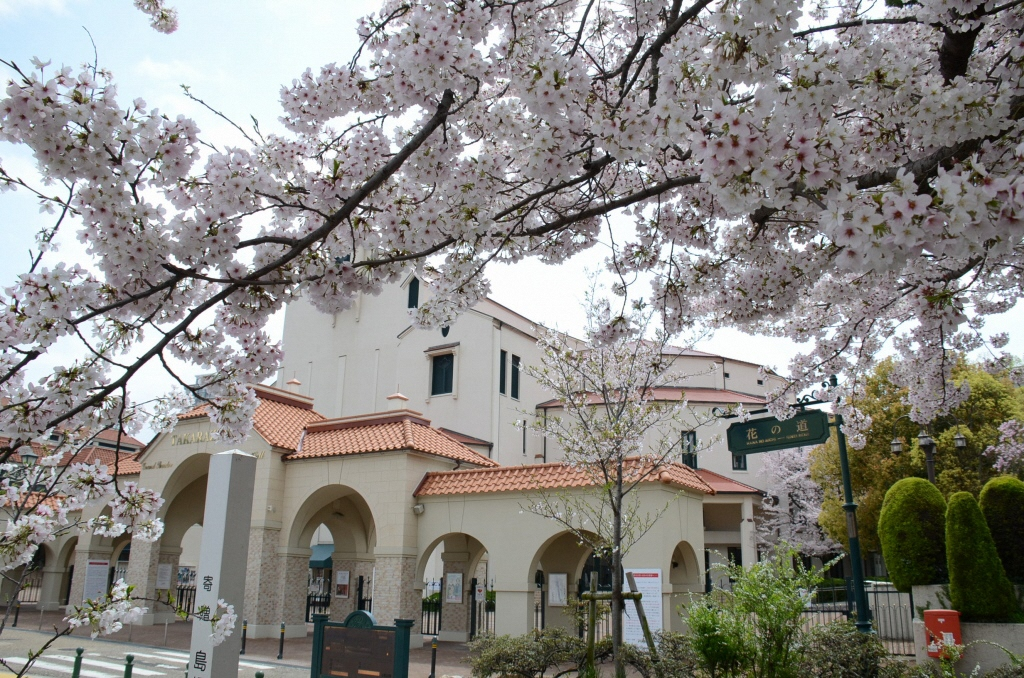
(763, 435)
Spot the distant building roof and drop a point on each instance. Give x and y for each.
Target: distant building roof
(544, 477)
(382, 432)
(723, 485)
(692, 395)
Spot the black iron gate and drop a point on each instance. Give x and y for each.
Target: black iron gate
(891, 611)
(364, 603)
(481, 609)
(430, 619)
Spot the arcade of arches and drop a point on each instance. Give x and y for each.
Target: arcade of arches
(393, 497)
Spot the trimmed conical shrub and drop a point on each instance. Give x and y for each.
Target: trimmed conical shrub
(978, 586)
(1002, 503)
(912, 530)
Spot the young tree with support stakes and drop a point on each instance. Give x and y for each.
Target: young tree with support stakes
(613, 429)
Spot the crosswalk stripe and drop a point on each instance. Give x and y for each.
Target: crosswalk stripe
(160, 657)
(178, 656)
(85, 673)
(136, 671)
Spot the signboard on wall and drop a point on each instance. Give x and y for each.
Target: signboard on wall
(97, 572)
(163, 576)
(648, 582)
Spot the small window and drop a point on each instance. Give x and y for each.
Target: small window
(442, 372)
(739, 462)
(726, 375)
(445, 330)
(502, 370)
(516, 365)
(689, 449)
(760, 382)
(414, 293)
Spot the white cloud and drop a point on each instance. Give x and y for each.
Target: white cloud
(13, 7)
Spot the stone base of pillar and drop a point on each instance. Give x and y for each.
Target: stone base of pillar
(273, 631)
(454, 636)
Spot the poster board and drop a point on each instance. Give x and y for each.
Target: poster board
(453, 588)
(558, 589)
(96, 574)
(648, 582)
(341, 579)
(163, 576)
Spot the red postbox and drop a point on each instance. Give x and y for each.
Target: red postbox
(941, 628)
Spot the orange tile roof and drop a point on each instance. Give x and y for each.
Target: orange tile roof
(464, 438)
(127, 464)
(723, 485)
(692, 395)
(380, 432)
(280, 416)
(110, 435)
(544, 477)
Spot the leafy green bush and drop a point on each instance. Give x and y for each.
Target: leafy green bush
(978, 586)
(839, 650)
(911, 529)
(530, 655)
(1002, 503)
(676, 657)
(754, 630)
(720, 637)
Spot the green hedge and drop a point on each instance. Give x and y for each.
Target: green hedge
(1002, 503)
(912, 529)
(978, 586)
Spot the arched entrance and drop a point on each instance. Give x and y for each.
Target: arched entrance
(458, 593)
(329, 556)
(559, 569)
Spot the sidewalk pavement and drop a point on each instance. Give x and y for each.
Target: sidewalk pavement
(175, 638)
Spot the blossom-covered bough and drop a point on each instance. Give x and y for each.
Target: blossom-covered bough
(805, 170)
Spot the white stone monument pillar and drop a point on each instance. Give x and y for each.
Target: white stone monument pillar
(222, 561)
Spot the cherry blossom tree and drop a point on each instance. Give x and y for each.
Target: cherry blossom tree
(810, 170)
(612, 428)
(792, 505)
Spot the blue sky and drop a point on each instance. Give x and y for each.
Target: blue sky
(236, 55)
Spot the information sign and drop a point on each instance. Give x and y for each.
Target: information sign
(351, 652)
(648, 582)
(97, 572)
(763, 435)
(359, 648)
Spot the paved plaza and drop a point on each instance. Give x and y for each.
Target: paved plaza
(155, 657)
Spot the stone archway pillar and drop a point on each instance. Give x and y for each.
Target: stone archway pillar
(263, 582)
(395, 595)
(83, 555)
(50, 587)
(455, 616)
(356, 566)
(513, 608)
(294, 564)
(748, 537)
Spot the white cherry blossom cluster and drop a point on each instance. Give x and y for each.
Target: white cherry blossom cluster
(792, 504)
(1008, 452)
(223, 621)
(794, 169)
(108, 614)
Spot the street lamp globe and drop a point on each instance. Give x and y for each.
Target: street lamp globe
(896, 446)
(960, 440)
(28, 455)
(924, 440)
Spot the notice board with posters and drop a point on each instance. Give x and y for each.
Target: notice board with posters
(648, 582)
(359, 648)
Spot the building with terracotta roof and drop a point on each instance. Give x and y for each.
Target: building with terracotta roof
(384, 451)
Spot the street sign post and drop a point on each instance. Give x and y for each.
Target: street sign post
(763, 435)
(806, 428)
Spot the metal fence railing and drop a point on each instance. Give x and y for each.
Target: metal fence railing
(185, 598)
(430, 616)
(317, 603)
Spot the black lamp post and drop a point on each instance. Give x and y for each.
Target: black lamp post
(926, 443)
(28, 456)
